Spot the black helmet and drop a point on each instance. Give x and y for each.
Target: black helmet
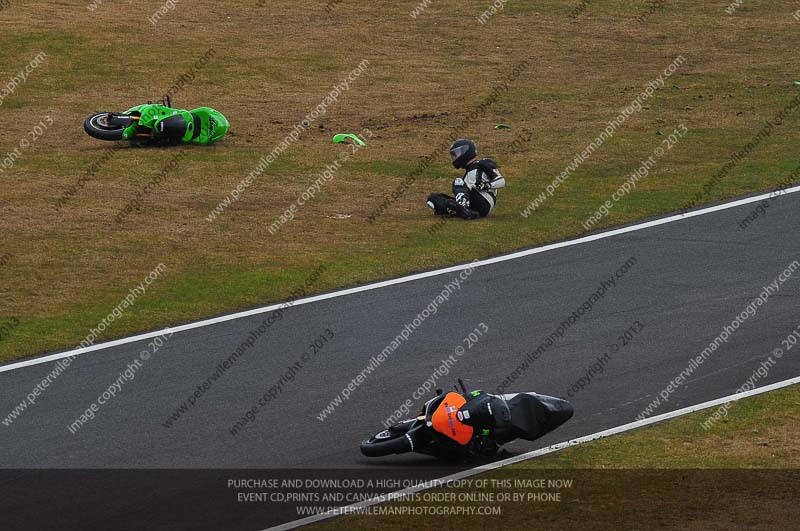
(462, 151)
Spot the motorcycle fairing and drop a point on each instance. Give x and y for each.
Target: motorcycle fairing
(204, 124)
(213, 125)
(445, 422)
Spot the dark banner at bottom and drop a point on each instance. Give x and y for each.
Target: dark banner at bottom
(396, 498)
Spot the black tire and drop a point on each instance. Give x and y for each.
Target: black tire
(387, 442)
(101, 127)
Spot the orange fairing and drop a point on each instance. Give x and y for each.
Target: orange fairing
(445, 421)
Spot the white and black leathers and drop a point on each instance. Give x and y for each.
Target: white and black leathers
(477, 189)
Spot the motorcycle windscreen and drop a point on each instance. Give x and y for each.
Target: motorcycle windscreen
(445, 422)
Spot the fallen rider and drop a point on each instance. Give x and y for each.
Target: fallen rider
(476, 192)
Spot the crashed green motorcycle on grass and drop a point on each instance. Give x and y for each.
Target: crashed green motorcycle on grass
(159, 124)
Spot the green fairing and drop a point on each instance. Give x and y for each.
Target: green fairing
(213, 124)
(343, 137)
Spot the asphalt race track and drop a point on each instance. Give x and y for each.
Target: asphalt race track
(688, 280)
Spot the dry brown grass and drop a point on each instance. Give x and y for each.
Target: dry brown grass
(274, 64)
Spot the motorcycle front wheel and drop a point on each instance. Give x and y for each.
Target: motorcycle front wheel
(388, 442)
(105, 126)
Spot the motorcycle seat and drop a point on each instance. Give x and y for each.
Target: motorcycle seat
(528, 417)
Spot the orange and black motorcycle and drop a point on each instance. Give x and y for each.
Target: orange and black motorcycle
(460, 425)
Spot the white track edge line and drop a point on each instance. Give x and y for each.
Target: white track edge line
(400, 494)
(400, 280)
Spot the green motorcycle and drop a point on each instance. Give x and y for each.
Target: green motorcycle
(159, 124)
